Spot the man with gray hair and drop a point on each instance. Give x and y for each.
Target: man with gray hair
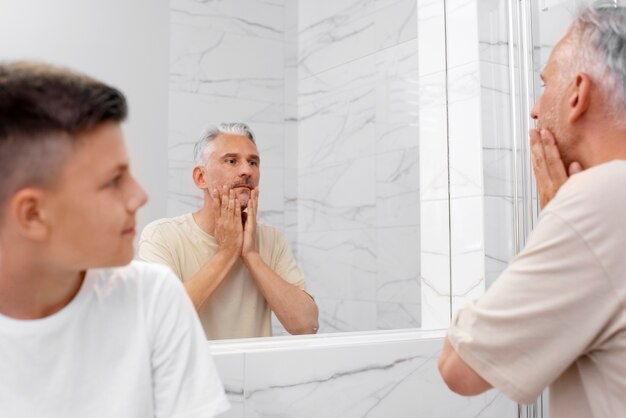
(557, 315)
(236, 271)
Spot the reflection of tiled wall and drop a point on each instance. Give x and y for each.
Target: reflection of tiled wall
(358, 172)
(227, 63)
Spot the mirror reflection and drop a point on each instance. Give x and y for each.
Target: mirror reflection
(333, 99)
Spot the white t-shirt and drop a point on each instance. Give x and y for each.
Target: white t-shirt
(129, 345)
(557, 314)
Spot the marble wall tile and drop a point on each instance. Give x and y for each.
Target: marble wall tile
(431, 40)
(346, 315)
(397, 188)
(397, 379)
(493, 31)
(397, 98)
(390, 315)
(462, 32)
(398, 265)
(435, 263)
(396, 22)
(231, 368)
(337, 197)
(340, 264)
(253, 18)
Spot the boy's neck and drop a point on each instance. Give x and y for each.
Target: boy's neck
(31, 291)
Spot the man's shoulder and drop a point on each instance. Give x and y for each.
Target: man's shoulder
(168, 223)
(165, 227)
(269, 233)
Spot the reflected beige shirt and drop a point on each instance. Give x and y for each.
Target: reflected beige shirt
(557, 316)
(237, 308)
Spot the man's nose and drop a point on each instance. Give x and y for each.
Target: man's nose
(534, 112)
(245, 170)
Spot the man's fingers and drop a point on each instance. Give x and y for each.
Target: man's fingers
(231, 203)
(215, 195)
(538, 156)
(554, 163)
(574, 168)
(224, 201)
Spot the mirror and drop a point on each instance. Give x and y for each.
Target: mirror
(339, 96)
(369, 118)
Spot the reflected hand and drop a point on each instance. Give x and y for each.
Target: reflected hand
(548, 166)
(227, 214)
(249, 222)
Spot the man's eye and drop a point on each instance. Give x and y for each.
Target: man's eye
(230, 161)
(254, 163)
(114, 182)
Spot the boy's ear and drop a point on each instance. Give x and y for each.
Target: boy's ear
(25, 211)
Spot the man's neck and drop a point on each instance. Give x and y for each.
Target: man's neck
(604, 146)
(29, 290)
(204, 218)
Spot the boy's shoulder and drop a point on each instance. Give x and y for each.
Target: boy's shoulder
(135, 277)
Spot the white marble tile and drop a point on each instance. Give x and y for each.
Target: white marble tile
(391, 315)
(468, 249)
(398, 269)
(396, 22)
(334, 41)
(202, 62)
(397, 188)
(345, 315)
(254, 18)
(397, 98)
(431, 37)
(493, 28)
(462, 32)
(433, 153)
(496, 107)
(340, 264)
(230, 368)
(465, 148)
(190, 114)
(435, 263)
(337, 115)
(271, 197)
(499, 235)
(397, 379)
(340, 196)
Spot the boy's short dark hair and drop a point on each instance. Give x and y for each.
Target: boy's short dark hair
(43, 109)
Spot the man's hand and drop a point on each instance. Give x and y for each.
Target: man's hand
(548, 166)
(228, 228)
(249, 225)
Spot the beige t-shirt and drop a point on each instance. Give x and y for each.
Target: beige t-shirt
(237, 308)
(557, 316)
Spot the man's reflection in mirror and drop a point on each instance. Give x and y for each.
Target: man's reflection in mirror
(235, 270)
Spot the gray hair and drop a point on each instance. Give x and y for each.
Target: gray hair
(599, 31)
(234, 128)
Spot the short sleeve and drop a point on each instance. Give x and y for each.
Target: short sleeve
(185, 381)
(284, 263)
(547, 308)
(153, 248)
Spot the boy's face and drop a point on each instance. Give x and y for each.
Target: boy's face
(90, 211)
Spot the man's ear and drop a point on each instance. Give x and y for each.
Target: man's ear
(199, 177)
(26, 210)
(579, 97)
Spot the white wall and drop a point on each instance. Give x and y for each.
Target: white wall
(123, 43)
